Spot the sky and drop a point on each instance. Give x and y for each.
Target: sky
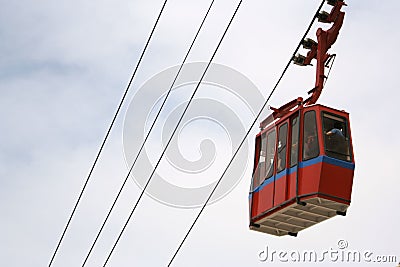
(64, 66)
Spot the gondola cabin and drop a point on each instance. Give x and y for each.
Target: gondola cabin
(303, 169)
(304, 163)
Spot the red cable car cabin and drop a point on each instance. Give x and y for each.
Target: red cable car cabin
(303, 171)
(304, 164)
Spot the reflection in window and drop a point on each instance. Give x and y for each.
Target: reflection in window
(261, 162)
(271, 140)
(259, 172)
(282, 147)
(310, 138)
(336, 137)
(294, 150)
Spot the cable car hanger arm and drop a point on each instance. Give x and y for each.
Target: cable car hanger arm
(325, 40)
(318, 50)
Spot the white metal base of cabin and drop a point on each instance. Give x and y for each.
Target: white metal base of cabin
(295, 217)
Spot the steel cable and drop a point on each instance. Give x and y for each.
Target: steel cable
(148, 134)
(173, 133)
(246, 135)
(106, 136)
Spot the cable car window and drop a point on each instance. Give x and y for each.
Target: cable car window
(282, 147)
(259, 173)
(261, 162)
(271, 140)
(294, 149)
(336, 137)
(310, 137)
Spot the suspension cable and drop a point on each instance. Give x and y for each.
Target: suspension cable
(330, 66)
(246, 135)
(148, 134)
(107, 134)
(173, 133)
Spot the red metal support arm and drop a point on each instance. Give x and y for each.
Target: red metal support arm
(325, 40)
(318, 50)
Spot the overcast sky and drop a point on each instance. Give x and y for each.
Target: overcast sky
(63, 68)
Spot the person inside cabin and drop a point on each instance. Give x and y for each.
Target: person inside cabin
(310, 138)
(279, 166)
(270, 166)
(261, 168)
(336, 138)
(336, 132)
(311, 148)
(280, 161)
(294, 153)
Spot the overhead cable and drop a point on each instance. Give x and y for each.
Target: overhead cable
(106, 136)
(173, 133)
(147, 136)
(246, 135)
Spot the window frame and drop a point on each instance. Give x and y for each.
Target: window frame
(271, 173)
(297, 134)
(278, 170)
(346, 133)
(262, 171)
(316, 135)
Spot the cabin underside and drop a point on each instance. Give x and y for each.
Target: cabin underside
(296, 217)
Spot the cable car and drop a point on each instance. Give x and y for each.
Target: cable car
(304, 163)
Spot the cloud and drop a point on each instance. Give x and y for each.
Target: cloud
(63, 68)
